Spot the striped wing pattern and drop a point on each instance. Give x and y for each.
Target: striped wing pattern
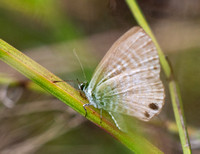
(127, 80)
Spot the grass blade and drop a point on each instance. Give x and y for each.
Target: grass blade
(173, 86)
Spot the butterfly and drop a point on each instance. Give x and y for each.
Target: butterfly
(127, 80)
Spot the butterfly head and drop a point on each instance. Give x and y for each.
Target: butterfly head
(88, 93)
(82, 86)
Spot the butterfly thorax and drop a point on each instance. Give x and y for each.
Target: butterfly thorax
(93, 98)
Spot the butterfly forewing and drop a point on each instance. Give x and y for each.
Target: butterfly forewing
(127, 80)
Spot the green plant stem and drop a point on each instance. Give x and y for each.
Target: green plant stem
(173, 87)
(180, 120)
(71, 97)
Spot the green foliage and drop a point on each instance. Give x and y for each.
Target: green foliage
(42, 22)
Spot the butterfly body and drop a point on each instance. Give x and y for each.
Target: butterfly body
(127, 80)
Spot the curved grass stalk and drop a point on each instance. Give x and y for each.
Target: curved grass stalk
(173, 86)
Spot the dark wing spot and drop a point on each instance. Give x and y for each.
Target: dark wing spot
(146, 114)
(153, 106)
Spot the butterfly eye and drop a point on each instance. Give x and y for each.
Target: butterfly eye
(83, 85)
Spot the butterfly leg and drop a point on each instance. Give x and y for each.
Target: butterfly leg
(85, 108)
(119, 121)
(115, 121)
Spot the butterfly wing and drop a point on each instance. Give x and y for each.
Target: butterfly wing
(127, 79)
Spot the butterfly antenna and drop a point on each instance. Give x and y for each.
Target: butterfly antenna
(74, 51)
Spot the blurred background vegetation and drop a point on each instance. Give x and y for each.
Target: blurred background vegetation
(32, 121)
